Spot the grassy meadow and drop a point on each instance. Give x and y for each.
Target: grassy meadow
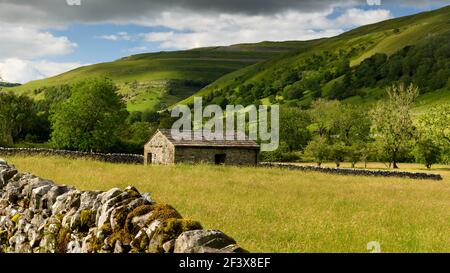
(273, 210)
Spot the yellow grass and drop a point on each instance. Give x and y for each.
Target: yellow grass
(272, 210)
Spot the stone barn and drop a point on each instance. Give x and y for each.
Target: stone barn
(164, 149)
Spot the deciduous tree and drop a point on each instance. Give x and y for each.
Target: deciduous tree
(392, 125)
(91, 119)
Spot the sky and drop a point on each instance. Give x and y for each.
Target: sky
(39, 39)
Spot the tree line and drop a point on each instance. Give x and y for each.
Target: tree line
(387, 131)
(328, 74)
(87, 116)
(91, 116)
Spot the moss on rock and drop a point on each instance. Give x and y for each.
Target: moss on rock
(121, 235)
(162, 212)
(119, 217)
(106, 228)
(62, 240)
(16, 218)
(95, 244)
(60, 216)
(139, 211)
(24, 202)
(87, 220)
(168, 230)
(133, 192)
(3, 237)
(143, 244)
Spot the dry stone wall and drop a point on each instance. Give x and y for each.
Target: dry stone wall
(347, 171)
(112, 158)
(39, 216)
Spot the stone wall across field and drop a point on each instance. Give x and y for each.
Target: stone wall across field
(112, 158)
(39, 216)
(347, 171)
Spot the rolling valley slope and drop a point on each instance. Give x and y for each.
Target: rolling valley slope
(355, 66)
(156, 80)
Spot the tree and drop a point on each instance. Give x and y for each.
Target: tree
(351, 127)
(337, 153)
(294, 128)
(356, 152)
(319, 149)
(436, 126)
(91, 119)
(135, 136)
(426, 152)
(135, 116)
(323, 114)
(292, 92)
(16, 117)
(391, 121)
(282, 154)
(150, 116)
(351, 124)
(140, 132)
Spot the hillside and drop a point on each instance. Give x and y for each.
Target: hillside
(157, 80)
(8, 84)
(355, 66)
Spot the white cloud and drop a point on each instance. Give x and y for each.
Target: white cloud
(119, 36)
(29, 43)
(191, 30)
(22, 71)
(138, 49)
(157, 36)
(194, 30)
(23, 50)
(190, 24)
(357, 17)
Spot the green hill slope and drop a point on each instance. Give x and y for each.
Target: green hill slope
(8, 84)
(156, 80)
(355, 66)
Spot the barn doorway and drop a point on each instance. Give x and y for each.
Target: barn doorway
(220, 159)
(150, 158)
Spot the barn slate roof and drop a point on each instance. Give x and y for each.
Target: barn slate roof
(205, 142)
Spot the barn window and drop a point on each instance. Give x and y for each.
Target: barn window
(220, 159)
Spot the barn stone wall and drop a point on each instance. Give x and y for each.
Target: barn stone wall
(234, 156)
(159, 150)
(40, 216)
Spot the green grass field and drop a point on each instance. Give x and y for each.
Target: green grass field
(272, 210)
